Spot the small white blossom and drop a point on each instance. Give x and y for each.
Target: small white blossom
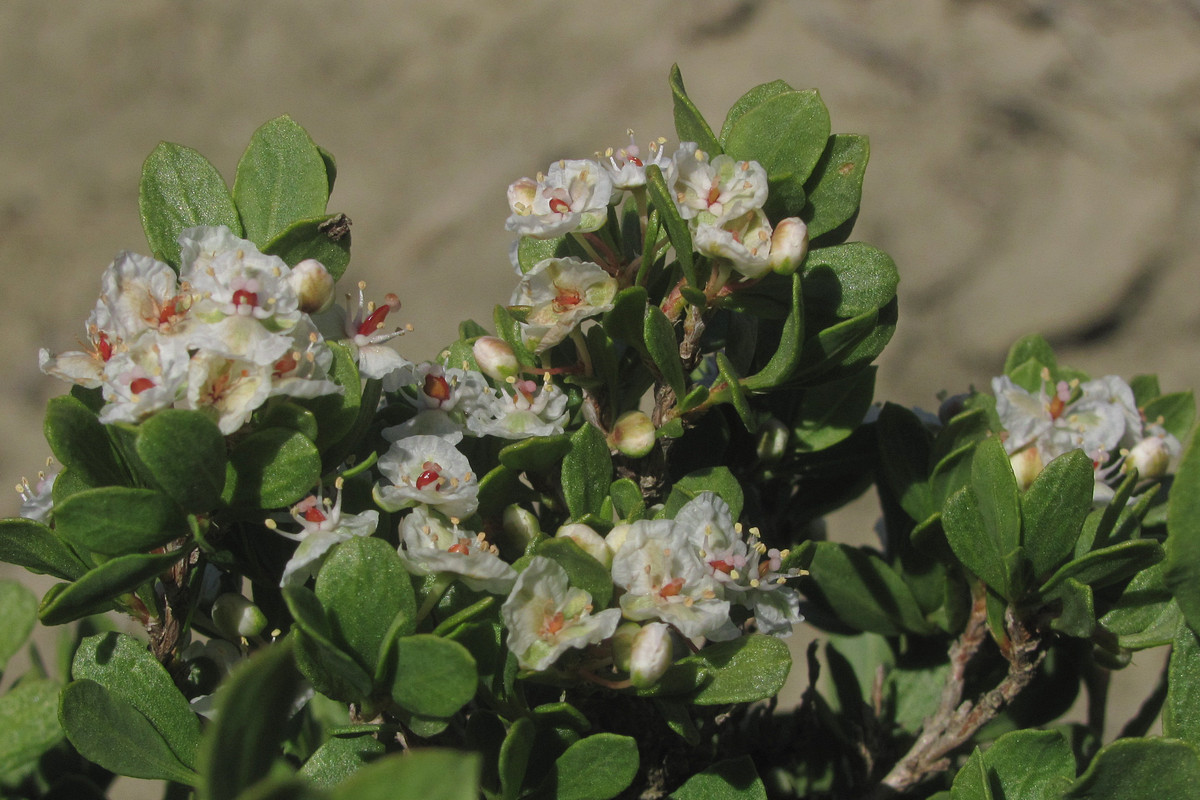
(322, 525)
(37, 499)
(560, 293)
(532, 409)
(714, 192)
(228, 389)
(571, 197)
(430, 544)
(627, 166)
(546, 616)
(429, 470)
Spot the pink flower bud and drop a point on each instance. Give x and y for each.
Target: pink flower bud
(789, 245)
(313, 285)
(495, 358)
(633, 434)
(235, 616)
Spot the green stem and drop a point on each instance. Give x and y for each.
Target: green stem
(436, 590)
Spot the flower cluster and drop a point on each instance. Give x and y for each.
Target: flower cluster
(224, 335)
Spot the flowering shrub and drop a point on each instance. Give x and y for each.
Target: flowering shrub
(561, 558)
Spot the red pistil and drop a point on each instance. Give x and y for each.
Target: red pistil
(240, 298)
(139, 385)
(559, 206)
(460, 547)
(375, 321)
(714, 194)
(567, 298)
(672, 588)
(430, 476)
(636, 161)
(437, 388)
(553, 624)
(1057, 406)
(285, 365)
(104, 347)
(721, 566)
(314, 515)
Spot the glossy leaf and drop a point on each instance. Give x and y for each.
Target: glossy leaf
(433, 676)
(1109, 565)
(531, 251)
(37, 548)
(514, 757)
(535, 454)
(596, 767)
(864, 591)
(750, 668)
(718, 480)
(192, 475)
(18, 608)
(127, 669)
(116, 520)
(965, 528)
(281, 178)
(272, 468)
(751, 99)
(1177, 412)
(1054, 508)
(586, 472)
(252, 709)
(325, 238)
(664, 349)
(92, 592)
(730, 390)
(337, 413)
(110, 732)
(428, 773)
(735, 779)
(689, 123)
(180, 189)
(835, 186)
(363, 586)
(584, 571)
(904, 449)
(1140, 769)
(847, 280)
(1145, 615)
(331, 670)
(625, 320)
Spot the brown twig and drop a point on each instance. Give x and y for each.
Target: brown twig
(957, 720)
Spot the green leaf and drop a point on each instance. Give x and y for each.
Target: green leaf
(830, 412)
(181, 189)
(79, 442)
(584, 571)
(363, 586)
(426, 774)
(1177, 412)
(339, 758)
(281, 178)
(864, 591)
(535, 454)
(677, 229)
(750, 668)
(128, 671)
(116, 520)
(966, 533)
(628, 501)
(1145, 615)
(835, 187)
(292, 416)
(271, 468)
(192, 475)
(1181, 715)
(1182, 562)
(1029, 764)
(1111, 564)
(1140, 769)
(110, 732)
(847, 280)
(331, 670)
(751, 99)
(836, 344)
(92, 592)
(996, 490)
(325, 238)
(735, 779)
(252, 709)
(596, 767)
(28, 723)
(904, 451)
(625, 320)
(1027, 358)
(432, 676)
(35, 547)
(1054, 508)
(689, 123)
(514, 757)
(730, 390)
(531, 251)
(586, 472)
(719, 480)
(786, 358)
(1075, 607)
(787, 134)
(664, 349)
(18, 609)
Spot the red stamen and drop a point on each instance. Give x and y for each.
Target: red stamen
(437, 387)
(139, 385)
(554, 624)
(240, 298)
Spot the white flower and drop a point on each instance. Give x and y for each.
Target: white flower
(139, 294)
(663, 578)
(571, 197)
(430, 545)
(37, 500)
(364, 327)
(531, 410)
(714, 192)
(140, 381)
(546, 616)
(560, 293)
(230, 389)
(82, 367)
(429, 470)
(304, 370)
(745, 242)
(322, 526)
(627, 166)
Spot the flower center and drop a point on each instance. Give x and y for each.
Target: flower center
(314, 515)
(721, 566)
(285, 365)
(559, 206)
(430, 475)
(462, 547)
(1057, 406)
(671, 588)
(437, 388)
(241, 298)
(566, 299)
(139, 385)
(553, 623)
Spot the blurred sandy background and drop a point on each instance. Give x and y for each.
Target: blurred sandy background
(1034, 163)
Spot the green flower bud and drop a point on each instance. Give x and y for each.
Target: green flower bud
(588, 540)
(495, 358)
(633, 434)
(772, 443)
(651, 654)
(235, 616)
(313, 286)
(622, 644)
(520, 528)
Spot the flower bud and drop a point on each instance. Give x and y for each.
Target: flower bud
(1150, 457)
(633, 434)
(651, 654)
(1026, 465)
(520, 528)
(235, 616)
(588, 540)
(772, 442)
(313, 285)
(495, 358)
(616, 538)
(789, 245)
(622, 644)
